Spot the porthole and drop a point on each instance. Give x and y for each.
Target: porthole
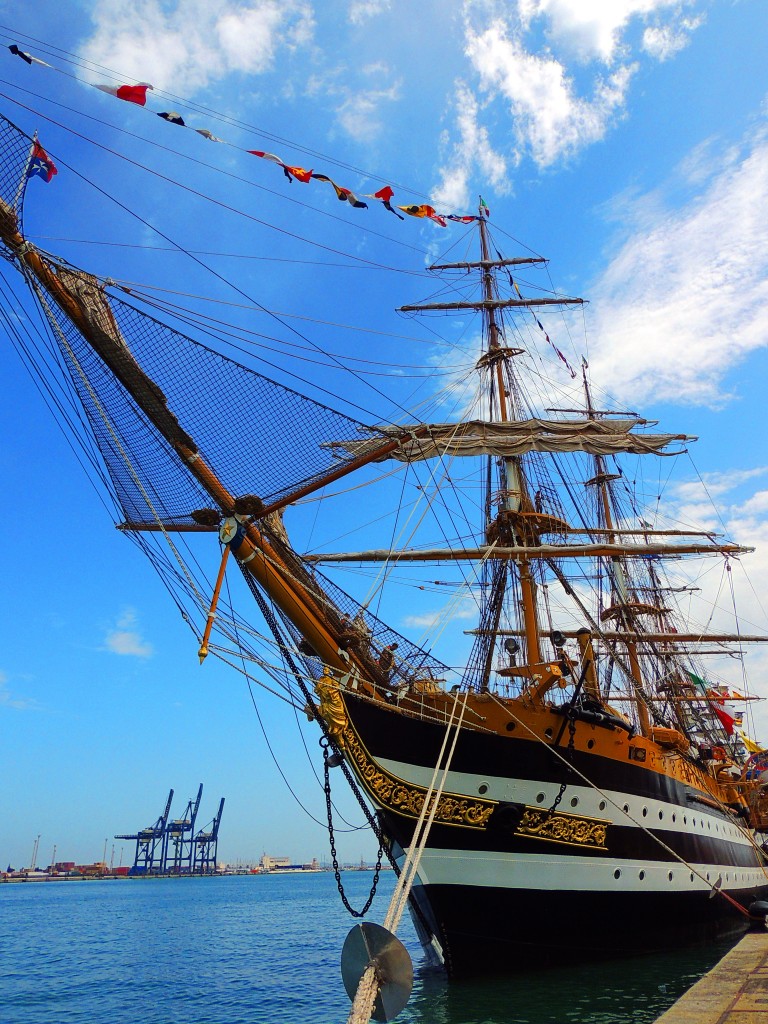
(661, 815)
(671, 875)
(482, 789)
(645, 812)
(709, 825)
(590, 744)
(617, 873)
(685, 820)
(674, 817)
(691, 876)
(601, 805)
(548, 733)
(539, 798)
(693, 822)
(641, 876)
(574, 801)
(511, 726)
(626, 808)
(707, 876)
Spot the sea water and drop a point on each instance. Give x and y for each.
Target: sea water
(265, 949)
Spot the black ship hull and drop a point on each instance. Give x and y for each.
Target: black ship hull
(631, 861)
(490, 930)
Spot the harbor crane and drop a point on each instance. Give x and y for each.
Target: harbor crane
(180, 839)
(206, 845)
(151, 845)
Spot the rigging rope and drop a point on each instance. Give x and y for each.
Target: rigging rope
(113, 434)
(368, 987)
(88, 66)
(678, 857)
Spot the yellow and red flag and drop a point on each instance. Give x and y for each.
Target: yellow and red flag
(425, 210)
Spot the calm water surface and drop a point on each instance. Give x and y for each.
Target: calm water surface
(265, 950)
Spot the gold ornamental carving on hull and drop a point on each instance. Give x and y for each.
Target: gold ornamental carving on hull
(331, 708)
(408, 800)
(564, 828)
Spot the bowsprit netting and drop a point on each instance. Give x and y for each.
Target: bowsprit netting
(257, 436)
(15, 150)
(344, 615)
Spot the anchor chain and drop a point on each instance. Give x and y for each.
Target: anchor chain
(569, 754)
(377, 871)
(570, 718)
(384, 846)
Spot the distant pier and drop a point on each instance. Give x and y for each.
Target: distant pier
(735, 991)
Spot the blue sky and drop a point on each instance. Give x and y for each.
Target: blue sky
(625, 140)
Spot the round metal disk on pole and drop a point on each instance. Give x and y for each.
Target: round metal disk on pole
(369, 943)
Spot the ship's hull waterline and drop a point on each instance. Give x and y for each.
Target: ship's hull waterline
(629, 863)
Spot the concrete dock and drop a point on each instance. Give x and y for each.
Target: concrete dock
(735, 991)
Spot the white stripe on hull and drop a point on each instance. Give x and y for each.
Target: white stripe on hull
(608, 805)
(561, 873)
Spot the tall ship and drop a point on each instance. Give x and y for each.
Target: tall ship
(576, 786)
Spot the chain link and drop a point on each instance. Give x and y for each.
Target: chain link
(336, 871)
(569, 753)
(376, 828)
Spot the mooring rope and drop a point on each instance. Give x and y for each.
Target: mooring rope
(368, 986)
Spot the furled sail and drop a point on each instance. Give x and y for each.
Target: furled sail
(480, 437)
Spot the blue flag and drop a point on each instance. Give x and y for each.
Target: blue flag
(41, 165)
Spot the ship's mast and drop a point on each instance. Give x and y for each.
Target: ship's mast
(513, 534)
(624, 606)
(515, 494)
(511, 524)
(258, 548)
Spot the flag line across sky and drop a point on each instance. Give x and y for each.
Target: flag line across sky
(41, 165)
(137, 94)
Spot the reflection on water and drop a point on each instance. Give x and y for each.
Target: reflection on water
(628, 991)
(266, 950)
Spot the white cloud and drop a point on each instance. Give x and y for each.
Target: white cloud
(664, 41)
(473, 148)
(361, 11)
(184, 46)
(10, 700)
(550, 121)
(696, 502)
(560, 69)
(124, 639)
(712, 485)
(595, 29)
(686, 296)
(757, 505)
(357, 108)
(701, 163)
(358, 113)
(429, 621)
(728, 599)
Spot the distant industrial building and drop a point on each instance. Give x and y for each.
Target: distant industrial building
(267, 863)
